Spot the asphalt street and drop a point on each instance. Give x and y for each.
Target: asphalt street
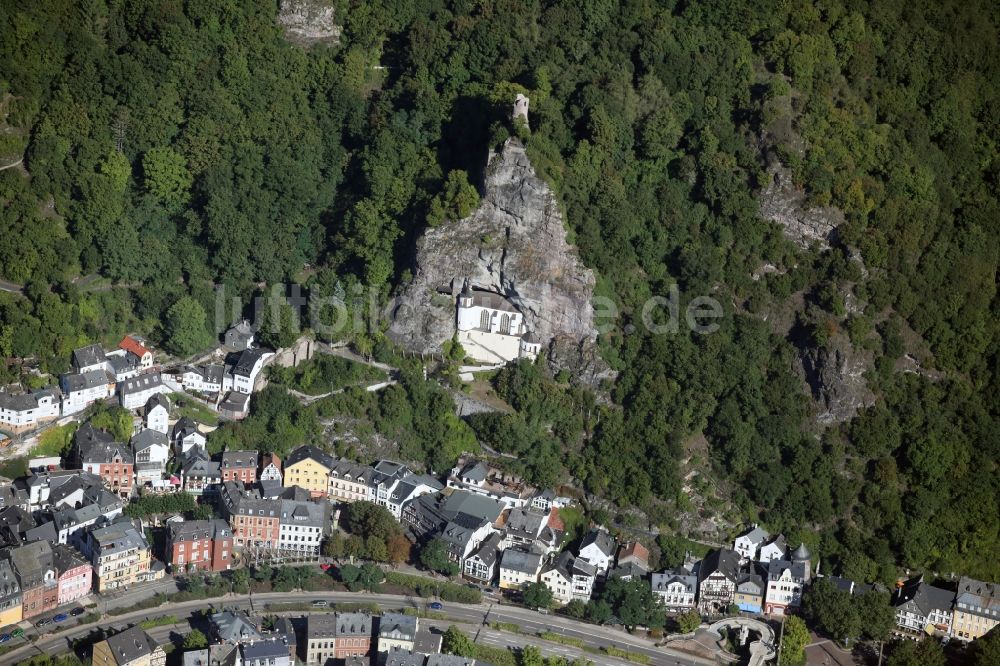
(530, 622)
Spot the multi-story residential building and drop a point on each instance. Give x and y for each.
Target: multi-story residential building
(923, 608)
(633, 555)
(21, 412)
(89, 358)
(309, 468)
(110, 460)
(518, 568)
(75, 575)
(82, 389)
(270, 468)
(676, 589)
(302, 525)
(134, 393)
(256, 521)
(349, 482)
(750, 591)
(239, 466)
(202, 378)
(717, 578)
(36, 572)
(11, 600)
(242, 369)
(119, 554)
(385, 476)
(185, 436)
(138, 349)
(200, 544)
(151, 451)
(775, 549)
(396, 631)
(156, 414)
(786, 581)
(523, 527)
(71, 524)
(132, 647)
(124, 366)
(748, 542)
(337, 636)
(598, 548)
(408, 489)
(569, 578)
(199, 475)
(481, 564)
(977, 609)
(239, 336)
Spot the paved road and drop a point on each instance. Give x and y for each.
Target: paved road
(529, 622)
(11, 287)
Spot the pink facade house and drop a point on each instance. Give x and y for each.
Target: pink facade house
(75, 573)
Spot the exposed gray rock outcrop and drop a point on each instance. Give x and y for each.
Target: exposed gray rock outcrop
(836, 376)
(513, 244)
(782, 202)
(309, 21)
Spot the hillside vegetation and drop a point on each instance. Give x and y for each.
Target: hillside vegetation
(174, 146)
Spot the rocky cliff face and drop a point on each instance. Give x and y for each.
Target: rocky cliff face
(835, 375)
(783, 203)
(308, 22)
(513, 244)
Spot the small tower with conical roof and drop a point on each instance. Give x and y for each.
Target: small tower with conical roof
(803, 555)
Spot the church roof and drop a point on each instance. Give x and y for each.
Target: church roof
(801, 553)
(492, 301)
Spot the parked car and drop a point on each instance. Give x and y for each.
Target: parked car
(17, 633)
(435, 605)
(326, 567)
(4, 638)
(61, 617)
(44, 621)
(76, 611)
(321, 603)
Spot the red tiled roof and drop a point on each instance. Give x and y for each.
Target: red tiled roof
(634, 549)
(130, 344)
(555, 522)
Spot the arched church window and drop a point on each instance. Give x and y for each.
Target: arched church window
(484, 320)
(505, 325)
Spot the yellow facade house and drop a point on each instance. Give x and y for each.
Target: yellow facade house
(308, 468)
(10, 595)
(977, 609)
(132, 647)
(120, 555)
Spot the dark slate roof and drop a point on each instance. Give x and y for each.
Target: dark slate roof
(18, 402)
(776, 567)
(131, 644)
(397, 625)
(924, 596)
(190, 530)
(86, 380)
(600, 538)
(235, 626)
(751, 583)
(89, 355)
(487, 551)
(146, 438)
(105, 452)
(660, 581)
(269, 648)
(248, 358)
(142, 383)
(492, 301)
(158, 400)
(239, 459)
(184, 427)
(978, 597)
(400, 657)
(309, 451)
(66, 557)
(475, 470)
(519, 560)
(724, 561)
(121, 363)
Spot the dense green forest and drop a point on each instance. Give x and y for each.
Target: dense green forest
(177, 145)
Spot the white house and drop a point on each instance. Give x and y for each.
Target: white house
(569, 578)
(82, 389)
(785, 583)
(202, 378)
(136, 392)
(491, 329)
(408, 489)
(675, 589)
(158, 413)
(241, 374)
(20, 412)
(481, 564)
(775, 549)
(151, 450)
(747, 543)
(518, 568)
(270, 468)
(89, 358)
(123, 365)
(185, 435)
(301, 524)
(598, 548)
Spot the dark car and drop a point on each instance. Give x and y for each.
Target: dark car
(76, 611)
(4, 638)
(436, 605)
(61, 617)
(43, 622)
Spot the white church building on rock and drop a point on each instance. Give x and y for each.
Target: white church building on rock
(492, 330)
